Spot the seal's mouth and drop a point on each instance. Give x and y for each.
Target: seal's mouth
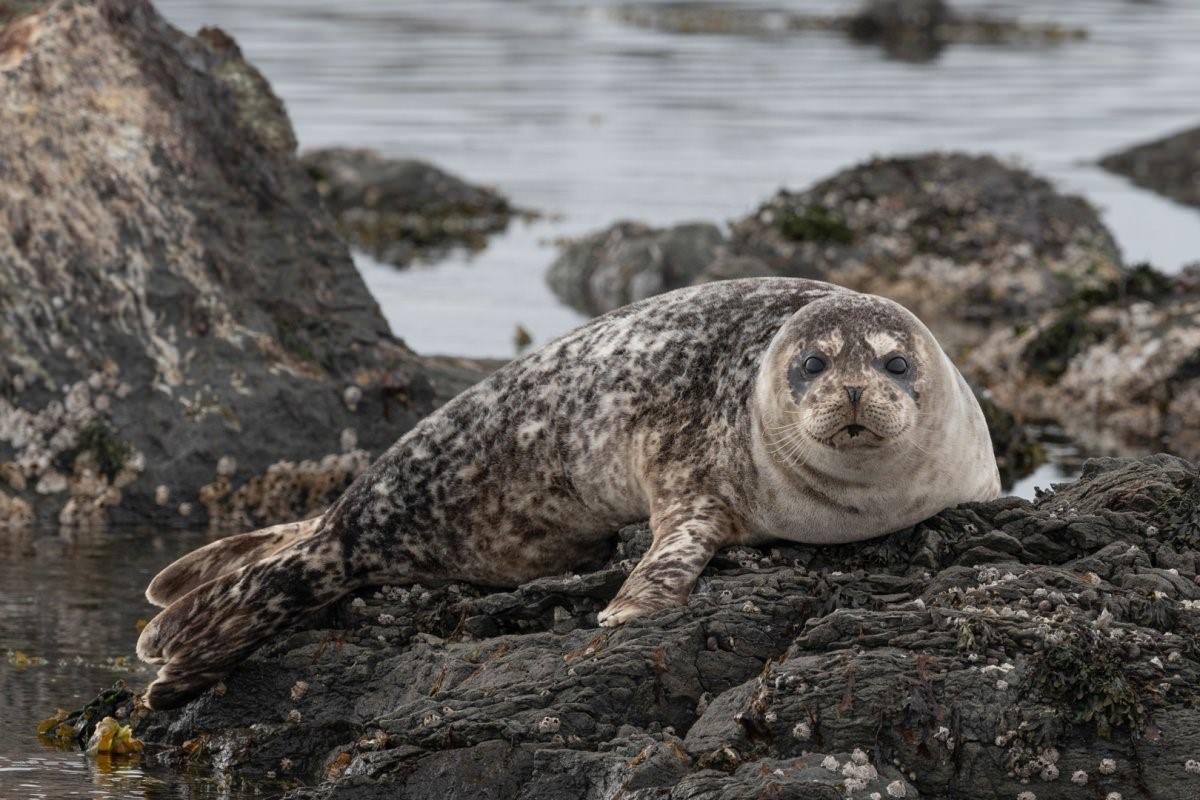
(854, 436)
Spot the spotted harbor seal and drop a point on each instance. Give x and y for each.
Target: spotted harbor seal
(737, 411)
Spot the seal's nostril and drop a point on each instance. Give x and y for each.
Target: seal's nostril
(855, 392)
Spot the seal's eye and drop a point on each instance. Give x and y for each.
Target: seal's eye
(896, 366)
(814, 365)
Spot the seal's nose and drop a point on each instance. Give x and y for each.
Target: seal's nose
(855, 392)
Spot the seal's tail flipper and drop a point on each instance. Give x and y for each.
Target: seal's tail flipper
(203, 634)
(222, 557)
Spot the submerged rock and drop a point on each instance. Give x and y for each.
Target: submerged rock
(1169, 166)
(912, 30)
(400, 210)
(172, 295)
(1118, 369)
(992, 648)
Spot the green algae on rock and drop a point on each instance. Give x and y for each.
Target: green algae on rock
(1117, 367)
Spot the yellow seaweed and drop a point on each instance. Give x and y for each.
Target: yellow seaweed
(49, 727)
(113, 738)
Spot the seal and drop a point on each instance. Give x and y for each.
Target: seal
(731, 412)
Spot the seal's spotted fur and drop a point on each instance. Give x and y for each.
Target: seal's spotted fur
(686, 408)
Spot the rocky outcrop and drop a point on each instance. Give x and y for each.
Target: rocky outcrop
(912, 30)
(1118, 369)
(997, 649)
(630, 261)
(966, 242)
(176, 309)
(401, 210)
(1169, 166)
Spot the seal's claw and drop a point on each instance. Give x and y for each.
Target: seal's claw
(620, 611)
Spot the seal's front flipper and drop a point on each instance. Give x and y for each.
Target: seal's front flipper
(205, 633)
(222, 557)
(686, 534)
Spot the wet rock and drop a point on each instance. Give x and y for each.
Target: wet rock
(1169, 166)
(399, 210)
(993, 649)
(1018, 451)
(967, 242)
(1118, 369)
(630, 261)
(911, 30)
(171, 292)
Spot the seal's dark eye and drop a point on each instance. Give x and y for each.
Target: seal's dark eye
(896, 366)
(814, 365)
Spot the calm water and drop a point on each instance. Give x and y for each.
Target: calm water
(573, 113)
(576, 115)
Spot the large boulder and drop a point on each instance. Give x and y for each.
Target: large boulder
(177, 312)
(1169, 166)
(996, 649)
(967, 242)
(401, 210)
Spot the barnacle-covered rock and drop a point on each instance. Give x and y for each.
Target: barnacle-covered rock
(1119, 369)
(995, 649)
(171, 290)
(967, 242)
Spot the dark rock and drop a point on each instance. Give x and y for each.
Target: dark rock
(1169, 166)
(169, 284)
(966, 242)
(399, 210)
(911, 30)
(630, 261)
(1018, 452)
(906, 661)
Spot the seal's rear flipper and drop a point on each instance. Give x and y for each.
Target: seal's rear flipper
(205, 633)
(222, 557)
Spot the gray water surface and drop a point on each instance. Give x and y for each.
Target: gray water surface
(574, 114)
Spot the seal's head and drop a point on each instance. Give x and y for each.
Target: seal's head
(855, 374)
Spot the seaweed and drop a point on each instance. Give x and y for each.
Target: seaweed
(110, 451)
(1049, 353)
(815, 223)
(1087, 677)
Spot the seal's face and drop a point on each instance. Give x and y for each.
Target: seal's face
(856, 369)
